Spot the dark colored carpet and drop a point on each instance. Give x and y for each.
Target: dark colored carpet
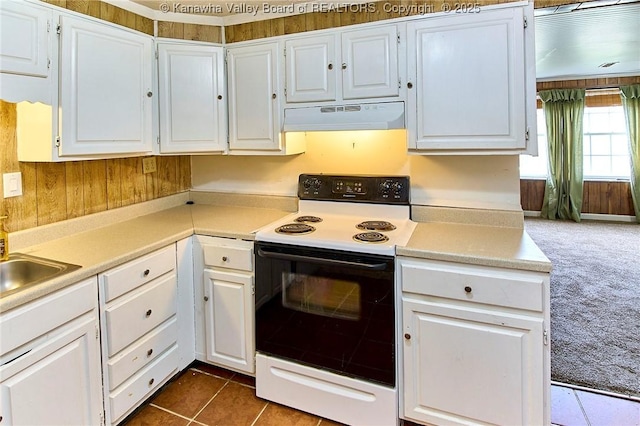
(595, 302)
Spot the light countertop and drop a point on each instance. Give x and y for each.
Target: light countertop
(482, 245)
(102, 248)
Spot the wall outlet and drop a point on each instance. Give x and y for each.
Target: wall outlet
(12, 184)
(149, 165)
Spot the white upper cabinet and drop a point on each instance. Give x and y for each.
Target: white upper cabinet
(25, 52)
(467, 82)
(192, 100)
(348, 65)
(370, 63)
(254, 104)
(105, 89)
(311, 69)
(24, 42)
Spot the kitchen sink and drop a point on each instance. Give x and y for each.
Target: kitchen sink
(22, 271)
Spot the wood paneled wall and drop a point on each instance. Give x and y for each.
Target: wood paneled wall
(195, 32)
(57, 191)
(597, 197)
(54, 192)
(107, 12)
(368, 12)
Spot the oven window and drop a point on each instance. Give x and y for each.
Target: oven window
(319, 295)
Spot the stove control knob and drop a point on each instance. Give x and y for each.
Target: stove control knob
(317, 184)
(385, 187)
(307, 183)
(397, 187)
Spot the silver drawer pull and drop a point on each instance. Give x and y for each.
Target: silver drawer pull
(148, 313)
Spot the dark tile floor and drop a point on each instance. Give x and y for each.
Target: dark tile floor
(208, 395)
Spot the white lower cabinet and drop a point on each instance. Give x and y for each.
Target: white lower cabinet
(475, 344)
(50, 360)
(225, 303)
(139, 321)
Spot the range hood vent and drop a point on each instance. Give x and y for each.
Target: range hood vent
(375, 116)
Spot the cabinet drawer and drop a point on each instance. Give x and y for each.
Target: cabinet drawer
(131, 275)
(143, 384)
(228, 257)
(41, 316)
(491, 286)
(124, 365)
(136, 316)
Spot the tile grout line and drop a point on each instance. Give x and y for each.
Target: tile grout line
(209, 402)
(584, 413)
(260, 413)
(151, 404)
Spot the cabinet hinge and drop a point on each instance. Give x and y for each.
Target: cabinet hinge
(285, 91)
(48, 63)
(545, 337)
(399, 84)
(398, 37)
(526, 135)
(526, 23)
(253, 289)
(285, 52)
(157, 55)
(58, 29)
(102, 418)
(97, 332)
(57, 141)
(158, 140)
(48, 26)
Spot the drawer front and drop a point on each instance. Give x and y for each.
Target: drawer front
(23, 324)
(131, 275)
(143, 384)
(474, 284)
(240, 258)
(134, 317)
(127, 363)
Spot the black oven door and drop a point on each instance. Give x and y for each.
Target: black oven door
(328, 309)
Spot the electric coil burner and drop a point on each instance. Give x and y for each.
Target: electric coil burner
(376, 225)
(295, 229)
(325, 298)
(371, 237)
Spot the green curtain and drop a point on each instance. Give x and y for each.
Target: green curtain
(631, 102)
(563, 111)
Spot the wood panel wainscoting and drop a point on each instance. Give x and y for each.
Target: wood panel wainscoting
(54, 192)
(598, 197)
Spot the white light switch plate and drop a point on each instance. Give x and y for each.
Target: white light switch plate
(12, 184)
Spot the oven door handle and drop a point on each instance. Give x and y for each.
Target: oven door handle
(297, 257)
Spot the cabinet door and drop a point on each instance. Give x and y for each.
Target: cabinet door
(370, 63)
(464, 365)
(229, 319)
(105, 89)
(468, 74)
(192, 101)
(24, 38)
(57, 382)
(311, 69)
(254, 105)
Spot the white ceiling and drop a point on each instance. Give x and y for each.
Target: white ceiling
(572, 41)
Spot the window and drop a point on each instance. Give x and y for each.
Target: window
(605, 146)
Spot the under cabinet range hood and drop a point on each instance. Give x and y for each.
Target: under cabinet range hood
(373, 116)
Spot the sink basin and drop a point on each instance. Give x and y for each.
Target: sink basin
(22, 271)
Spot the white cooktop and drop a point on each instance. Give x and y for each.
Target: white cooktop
(338, 226)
